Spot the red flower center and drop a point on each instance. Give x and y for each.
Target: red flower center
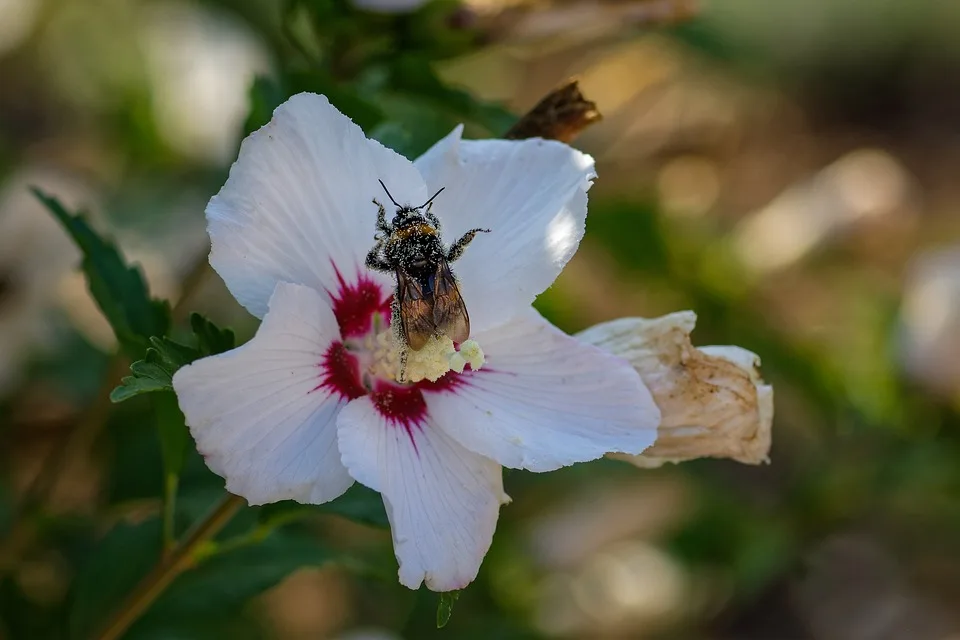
(362, 307)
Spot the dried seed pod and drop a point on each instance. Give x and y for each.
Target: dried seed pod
(562, 115)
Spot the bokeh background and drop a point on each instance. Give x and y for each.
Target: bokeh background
(788, 170)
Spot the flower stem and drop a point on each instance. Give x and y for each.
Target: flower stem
(180, 559)
(191, 283)
(171, 482)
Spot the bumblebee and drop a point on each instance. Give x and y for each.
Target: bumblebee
(427, 302)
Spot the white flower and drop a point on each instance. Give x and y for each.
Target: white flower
(712, 401)
(312, 403)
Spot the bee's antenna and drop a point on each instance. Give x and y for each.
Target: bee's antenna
(431, 198)
(388, 194)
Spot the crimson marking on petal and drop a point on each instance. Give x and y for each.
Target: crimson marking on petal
(341, 373)
(354, 305)
(448, 382)
(401, 406)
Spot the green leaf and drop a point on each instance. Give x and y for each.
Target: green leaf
(413, 123)
(415, 75)
(173, 355)
(155, 372)
(211, 339)
(119, 289)
(217, 587)
(164, 357)
(223, 583)
(358, 504)
(265, 95)
(445, 607)
(111, 571)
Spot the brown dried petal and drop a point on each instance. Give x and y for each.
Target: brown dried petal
(561, 115)
(712, 400)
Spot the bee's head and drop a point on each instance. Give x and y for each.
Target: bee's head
(407, 215)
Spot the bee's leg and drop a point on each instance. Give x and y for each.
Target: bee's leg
(457, 248)
(382, 219)
(431, 218)
(402, 373)
(376, 261)
(395, 323)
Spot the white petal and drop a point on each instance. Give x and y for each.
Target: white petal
(259, 414)
(298, 202)
(544, 400)
(531, 194)
(713, 401)
(442, 500)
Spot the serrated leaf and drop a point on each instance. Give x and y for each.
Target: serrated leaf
(211, 339)
(155, 372)
(173, 355)
(150, 368)
(359, 504)
(131, 386)
(165, 357)
(118, 288)
(445, 607)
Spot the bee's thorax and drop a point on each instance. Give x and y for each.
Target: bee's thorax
(410, 230)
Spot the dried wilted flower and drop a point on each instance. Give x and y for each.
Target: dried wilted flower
(711, 399)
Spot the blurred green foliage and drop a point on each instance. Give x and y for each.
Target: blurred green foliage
(858, 447)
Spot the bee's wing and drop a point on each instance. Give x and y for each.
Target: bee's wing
(450, 316)
(416, 311)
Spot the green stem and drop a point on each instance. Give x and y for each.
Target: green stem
(191, 284)
(256, 535)
(172, 482)
(181, 558)
(253, 537)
